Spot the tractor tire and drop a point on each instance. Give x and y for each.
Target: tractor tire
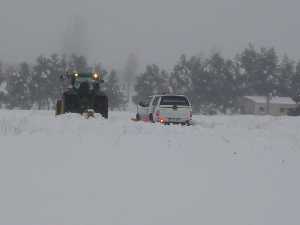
(105, 114)
(59, 108)
(101, 105)
(105, 106)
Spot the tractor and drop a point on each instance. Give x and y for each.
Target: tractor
(81, 94)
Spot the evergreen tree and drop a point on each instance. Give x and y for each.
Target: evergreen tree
(199, 93)
(111, 87)
(286, 74)
(152, 81)
(222, 82)
(260, 70)
(1, 72)
(180, 79)
(296, 83)
(188, 78)
(78, 63)
(40, 87)
(211, 84)
(3, 87)
(247, 62)
(57, 67)
(18, 87)
(116, 98)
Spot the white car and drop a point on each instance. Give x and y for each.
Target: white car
(145, 108)
(166, 109)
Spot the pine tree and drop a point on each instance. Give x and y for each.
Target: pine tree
(18, 87)
(152, 81)
(211, 84)
(40, 87)
(199, 93)
(296, 83)
(180, 79)
(116, 98)
(1, 72)
(78, 63)
(260, 70)
(3, 87)
(57, 67)
(214, 84)
(189, 78)
(286, 74)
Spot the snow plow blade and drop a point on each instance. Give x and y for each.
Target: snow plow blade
(90, 113)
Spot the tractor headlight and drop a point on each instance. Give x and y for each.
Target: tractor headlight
(96, 76)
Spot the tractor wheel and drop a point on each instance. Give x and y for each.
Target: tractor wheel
(59, 106)
(105, 114)
(105, 108)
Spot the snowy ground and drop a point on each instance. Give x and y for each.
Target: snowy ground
(224, 170)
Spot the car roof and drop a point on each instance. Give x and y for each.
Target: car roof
(166, 95)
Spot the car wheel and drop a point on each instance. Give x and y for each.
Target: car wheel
(151, 117)
(138, 117)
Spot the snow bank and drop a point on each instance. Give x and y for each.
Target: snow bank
(223, 170)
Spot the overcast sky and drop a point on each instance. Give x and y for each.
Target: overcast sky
(157, 31)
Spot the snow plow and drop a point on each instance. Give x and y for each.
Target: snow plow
(81, 94)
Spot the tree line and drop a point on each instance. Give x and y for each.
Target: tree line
(212, 83)
(38, 85)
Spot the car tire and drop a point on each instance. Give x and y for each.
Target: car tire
(151, 117)
(138, 117)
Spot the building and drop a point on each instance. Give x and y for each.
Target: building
(262, 105)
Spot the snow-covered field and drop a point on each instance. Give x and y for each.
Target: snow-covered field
(224, 170)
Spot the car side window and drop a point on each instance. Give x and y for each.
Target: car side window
(148, 100)
(155, 101)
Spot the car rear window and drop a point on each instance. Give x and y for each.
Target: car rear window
(174, 100)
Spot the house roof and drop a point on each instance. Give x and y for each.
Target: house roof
(274, 100)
